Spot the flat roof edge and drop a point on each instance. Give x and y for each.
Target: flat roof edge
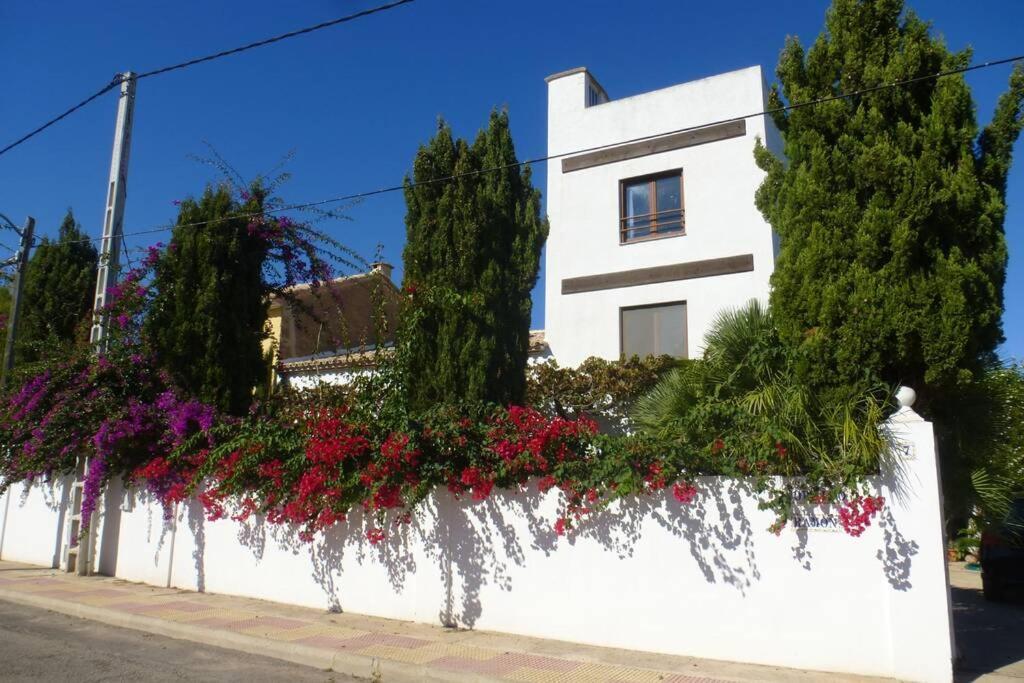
(567, 72)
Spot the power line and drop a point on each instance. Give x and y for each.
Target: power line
(596, 148)
(200, 60)
(102, 91)
(275, 39)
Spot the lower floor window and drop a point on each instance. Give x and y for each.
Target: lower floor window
(653, 330)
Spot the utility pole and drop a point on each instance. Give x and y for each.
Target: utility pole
(80, 543)
(113, 216)
(20, 261)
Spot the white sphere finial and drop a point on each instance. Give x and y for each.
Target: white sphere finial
(905, 396)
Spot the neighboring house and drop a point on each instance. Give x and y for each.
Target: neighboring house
(334, 327)
(651, 239)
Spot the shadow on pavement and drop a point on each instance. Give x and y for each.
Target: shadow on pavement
(989, 635)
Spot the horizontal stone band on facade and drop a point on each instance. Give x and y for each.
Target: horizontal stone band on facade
(634, 150)
(743, 263)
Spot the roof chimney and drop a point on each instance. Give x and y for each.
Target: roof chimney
(382, 268)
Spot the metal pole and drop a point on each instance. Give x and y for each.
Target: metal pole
(106, 277)
(21, 261)
(113, 215)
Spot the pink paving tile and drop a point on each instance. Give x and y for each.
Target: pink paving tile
(215, 622)
(517, 659)
(141, 607)
(273, 622)
(185, 606)
(681, 678)
(128, 606)
(102, 593)
(242, 624)
(487, 666)
(57, 593)
(385, 639)
(331, 642)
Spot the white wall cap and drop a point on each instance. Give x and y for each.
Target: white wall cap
(905, 397)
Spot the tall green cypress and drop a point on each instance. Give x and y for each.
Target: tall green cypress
(889, 205)
(58, 294)
(207, 319)
(473, 252)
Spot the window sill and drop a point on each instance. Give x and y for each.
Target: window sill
(651, 238)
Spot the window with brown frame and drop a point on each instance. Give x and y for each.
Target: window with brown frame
(653, 330)
(652, 207)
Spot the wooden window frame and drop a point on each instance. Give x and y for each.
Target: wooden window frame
(653, 227)
(660, 304)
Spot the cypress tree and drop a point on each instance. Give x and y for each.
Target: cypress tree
(889, 206)
(472, 256)
(207, 318)
(58, 295)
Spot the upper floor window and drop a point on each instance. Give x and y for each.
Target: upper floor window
(652, 207)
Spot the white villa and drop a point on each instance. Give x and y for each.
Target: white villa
(652, 237)
(652, 233)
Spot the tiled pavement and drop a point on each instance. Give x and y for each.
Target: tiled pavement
(356, 644)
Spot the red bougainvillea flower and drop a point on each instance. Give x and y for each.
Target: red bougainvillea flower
(544, 484)
(375, 536)
(560, 525)
(717, 446)
(684, 492)
(855, 514)
(780, 450)
(655, 477)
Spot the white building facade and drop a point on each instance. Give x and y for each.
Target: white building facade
(653, 237)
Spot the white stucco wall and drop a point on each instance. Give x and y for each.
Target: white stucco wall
(719, 181)
(706, 580)
(32, 522)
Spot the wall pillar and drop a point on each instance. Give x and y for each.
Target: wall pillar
(914, 551)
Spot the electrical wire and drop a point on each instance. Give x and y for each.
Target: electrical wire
(585, 150)
(102, 91)
(275, 39)
(200, 60)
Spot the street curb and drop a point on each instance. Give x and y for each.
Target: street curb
(352, 664)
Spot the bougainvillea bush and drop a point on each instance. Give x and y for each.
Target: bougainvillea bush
(308, 460)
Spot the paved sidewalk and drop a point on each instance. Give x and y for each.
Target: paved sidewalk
(359, 645)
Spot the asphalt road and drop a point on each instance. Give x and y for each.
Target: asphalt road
(37, 645)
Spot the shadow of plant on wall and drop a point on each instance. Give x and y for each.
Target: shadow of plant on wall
(197, 525)
(470, 545)
(896, 553)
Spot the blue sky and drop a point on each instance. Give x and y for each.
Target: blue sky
(354, 102)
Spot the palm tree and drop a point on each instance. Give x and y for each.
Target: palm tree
(749, 382)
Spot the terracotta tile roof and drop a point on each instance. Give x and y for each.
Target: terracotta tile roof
(347, 306)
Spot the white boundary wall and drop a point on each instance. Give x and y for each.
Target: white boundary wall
(705, 580)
